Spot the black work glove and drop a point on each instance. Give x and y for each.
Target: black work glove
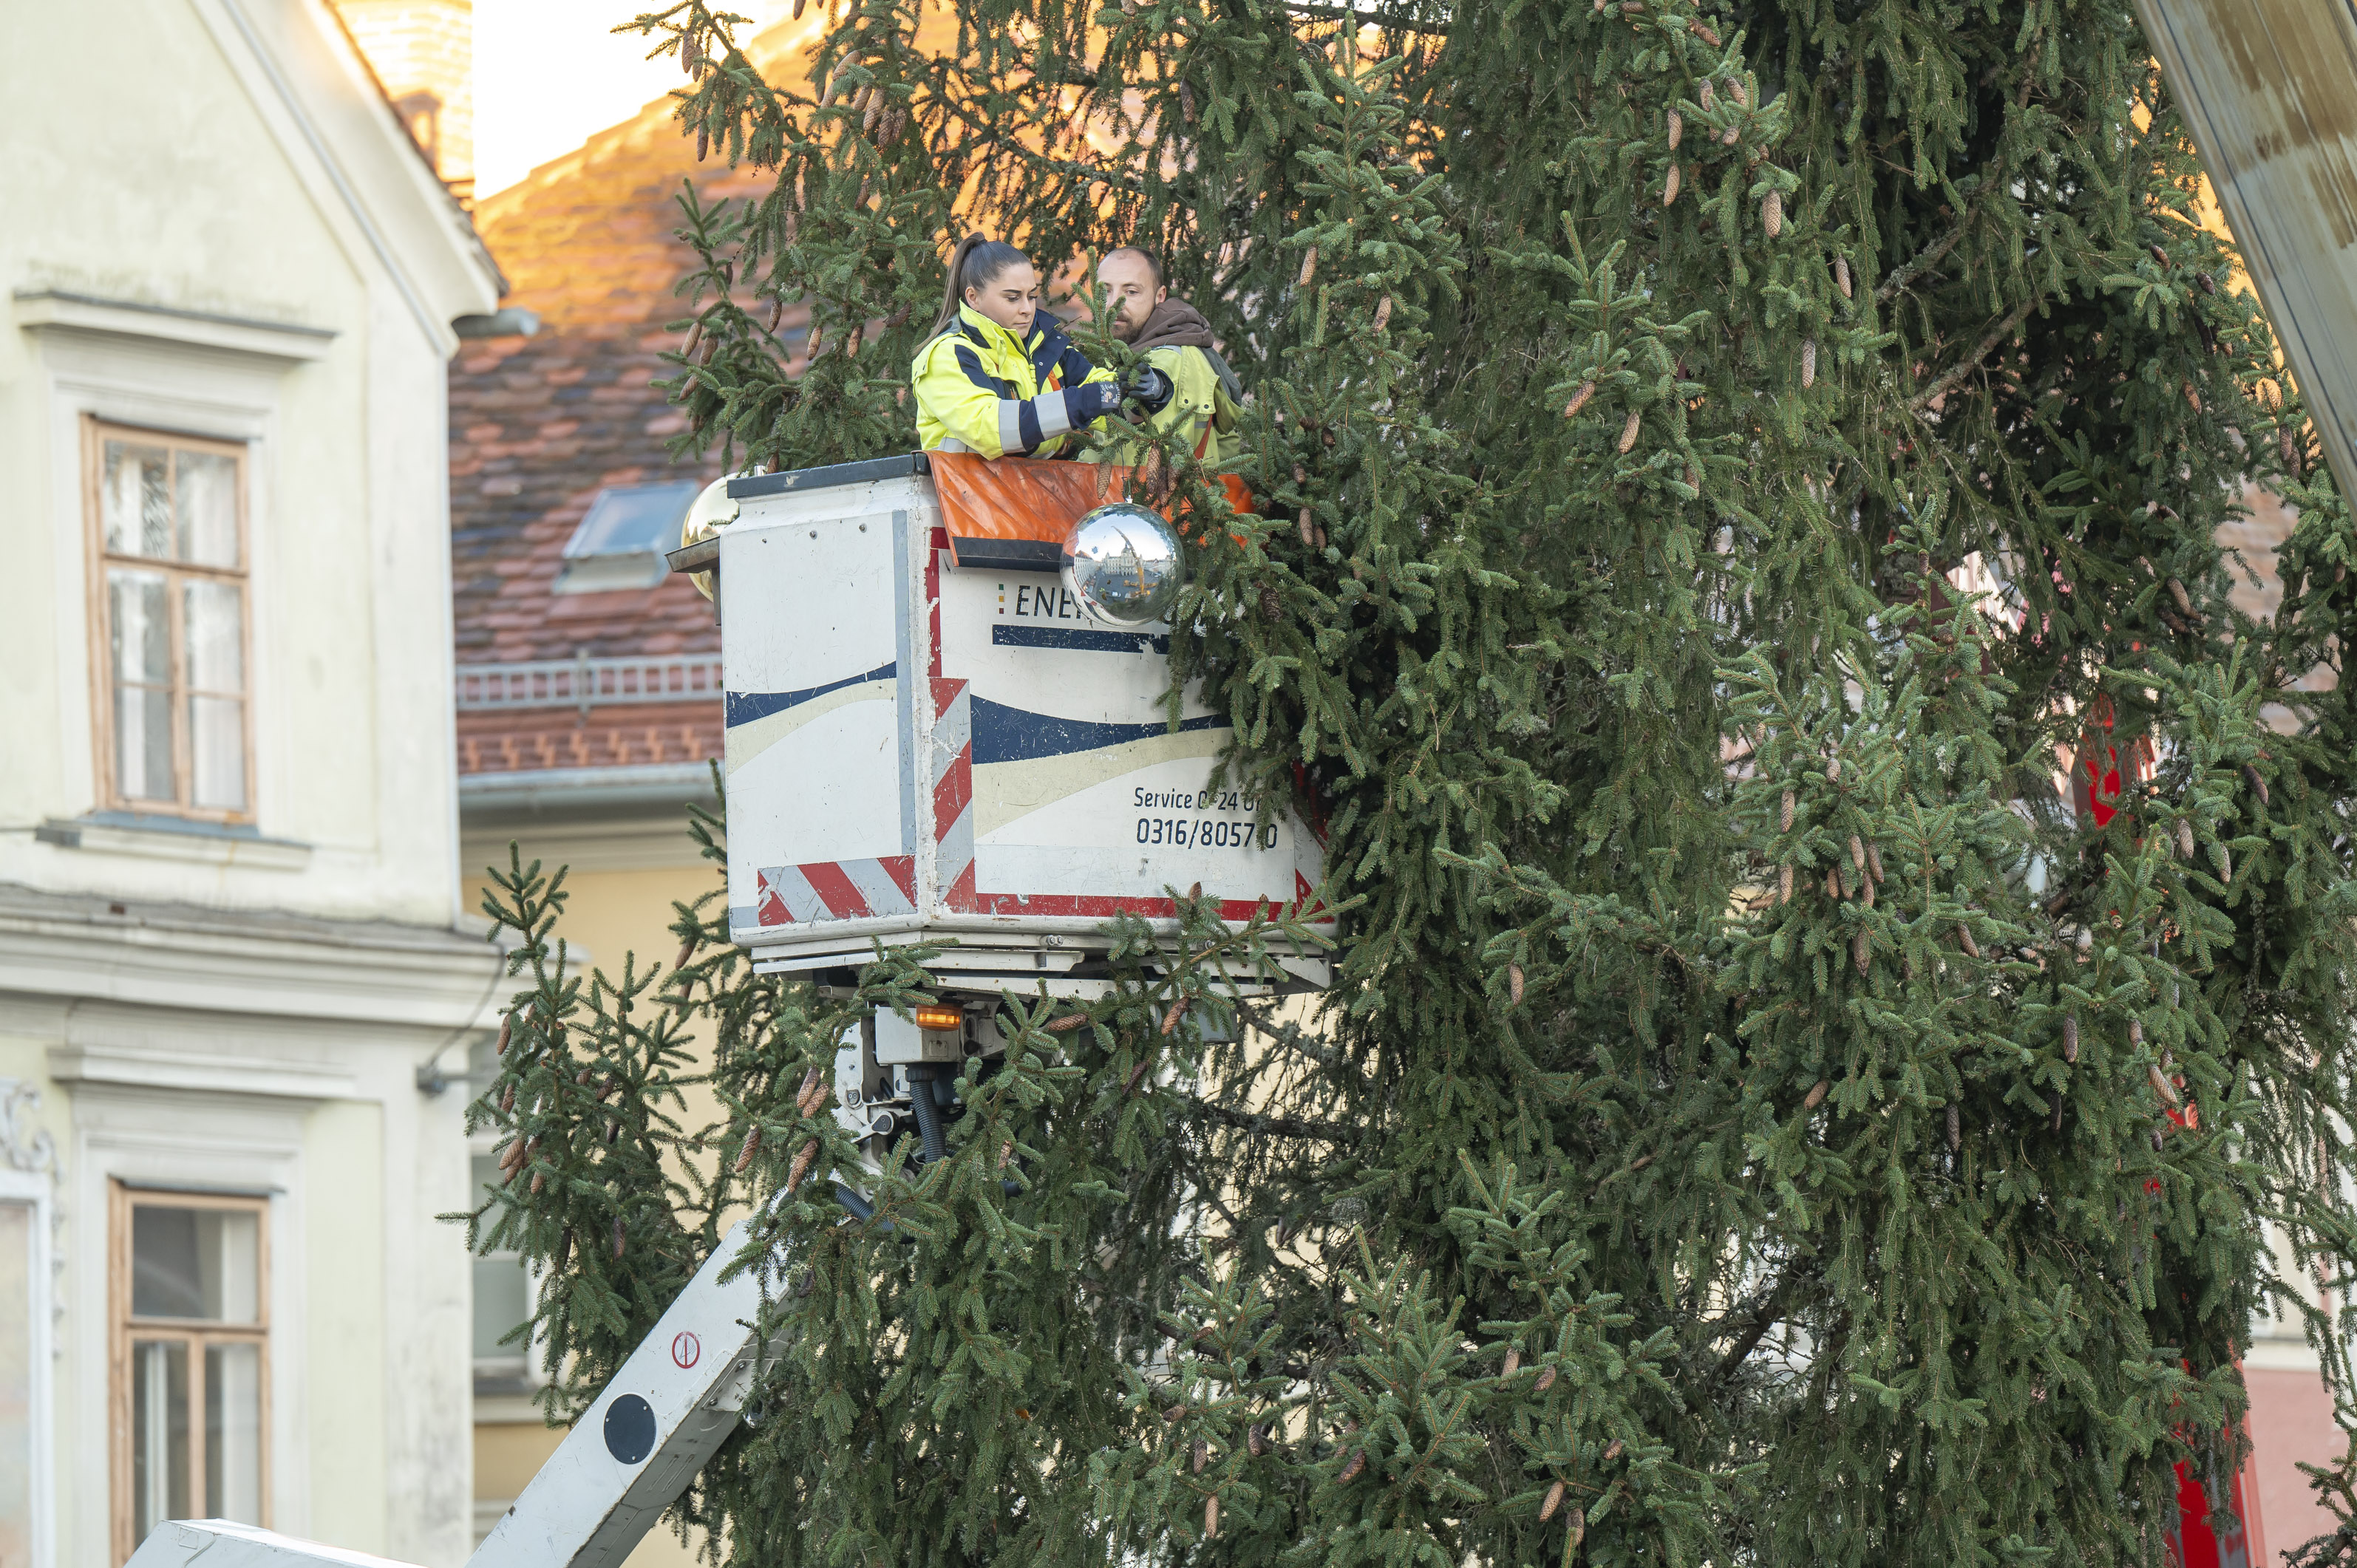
(1149, 389)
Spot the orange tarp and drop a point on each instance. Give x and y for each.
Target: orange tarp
(1023, 499)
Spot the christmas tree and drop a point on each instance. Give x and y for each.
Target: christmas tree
(1846, 926)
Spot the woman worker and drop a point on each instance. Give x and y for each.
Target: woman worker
(999, 378)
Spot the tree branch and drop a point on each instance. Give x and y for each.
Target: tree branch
(1283, 1126)
(1971, 361)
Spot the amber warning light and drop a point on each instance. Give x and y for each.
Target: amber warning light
(939, 1019)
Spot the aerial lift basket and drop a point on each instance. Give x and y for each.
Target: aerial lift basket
(928, 740)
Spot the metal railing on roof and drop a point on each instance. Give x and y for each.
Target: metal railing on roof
(585, 682)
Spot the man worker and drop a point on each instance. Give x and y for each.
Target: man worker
(1171, 336)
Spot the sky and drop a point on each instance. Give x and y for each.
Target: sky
(551, 73)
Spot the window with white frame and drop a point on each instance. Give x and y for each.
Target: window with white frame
(167, 525)
(191, 1366)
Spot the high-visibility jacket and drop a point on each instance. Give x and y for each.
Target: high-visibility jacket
(1202, 409)
(978, 390)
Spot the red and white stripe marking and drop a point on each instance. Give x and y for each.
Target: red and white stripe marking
(836, 890)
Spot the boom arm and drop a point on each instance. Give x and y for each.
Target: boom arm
(2269, 89)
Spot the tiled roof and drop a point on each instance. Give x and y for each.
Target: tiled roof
(539, 424)
(535, 740)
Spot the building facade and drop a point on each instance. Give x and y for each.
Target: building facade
(231, 952)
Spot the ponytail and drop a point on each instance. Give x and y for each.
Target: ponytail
(975, 262)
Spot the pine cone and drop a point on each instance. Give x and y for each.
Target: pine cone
(1546, 1380)
(507, 1030)
(1170, 1019)
(2159, 255)
(1351, 1467)
(2136, 1032)
(1553, 1501)
(618, 1235)
(1772, 213)
(1212, 1515)
(752, 1147)
(2258, 785)
(2162, 1086)
(1808, 363)
(1704, 98)
(1861, 953)
(1734, 91)
(1677, 128)
(802, 1164)
(1309, 267)
(802, 1095)
(1670, 187)
(1965, 940)
(1187, 102)
(1272, 610)
(1202, 1455)
(1874, 861)
(1955, 1130)
(1514, 984)
(1628, 430)
(1068, 1022)
(1841, 275)
(1702, 31)
(2290, 452)
(2070, 1040)
(1857, 853)
(1384, 313)
(2185, 839)
(1784, 818)
(1784, 884)
(1816, 1096)
(1308, 534)
(1513, 1363)
(2192, 397)
(1579, 399)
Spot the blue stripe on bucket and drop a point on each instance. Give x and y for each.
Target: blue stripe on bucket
(744, 707)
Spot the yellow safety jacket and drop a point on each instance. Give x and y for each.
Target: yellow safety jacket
(1202, 409)
(978, 390)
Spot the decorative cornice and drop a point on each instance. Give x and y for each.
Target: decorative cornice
(54, 310)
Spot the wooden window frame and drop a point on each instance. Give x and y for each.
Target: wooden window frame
(95, 434)
(196, 1334)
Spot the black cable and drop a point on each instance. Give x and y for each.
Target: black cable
(932, 1137)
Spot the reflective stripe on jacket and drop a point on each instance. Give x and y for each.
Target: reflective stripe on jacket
(980, 390)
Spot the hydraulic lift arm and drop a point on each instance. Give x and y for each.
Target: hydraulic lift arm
(632, 1454)
(2269, 89)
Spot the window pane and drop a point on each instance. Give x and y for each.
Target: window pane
(205, 496)
(502, 1288)
(214, 614)
(234, 1433)
(196, 1263)
(502, 1300)
(217, 743)
(135, 498)
(15, 1382)
(159, 1434)
(141, 627)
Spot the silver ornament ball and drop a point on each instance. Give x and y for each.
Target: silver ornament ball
(1123, 564)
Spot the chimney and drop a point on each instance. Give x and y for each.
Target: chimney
(423, 52)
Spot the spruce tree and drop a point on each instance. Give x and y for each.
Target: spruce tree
(1715, 466)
